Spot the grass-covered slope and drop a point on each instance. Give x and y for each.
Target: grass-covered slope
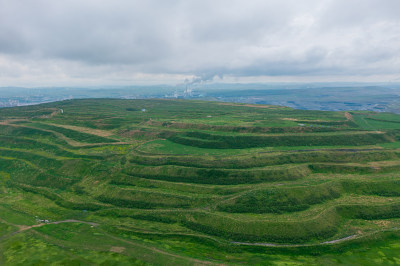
(188, 182)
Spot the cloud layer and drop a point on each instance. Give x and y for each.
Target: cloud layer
(45, 42)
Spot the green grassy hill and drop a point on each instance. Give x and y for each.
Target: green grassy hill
(126, 182)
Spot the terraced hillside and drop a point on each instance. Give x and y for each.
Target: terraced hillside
(125, 182)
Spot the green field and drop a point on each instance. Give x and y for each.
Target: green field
(101, 182)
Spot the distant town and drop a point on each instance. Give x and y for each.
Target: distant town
(299, 96)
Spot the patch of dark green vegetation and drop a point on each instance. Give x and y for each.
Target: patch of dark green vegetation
(205, 140)
(219, 176)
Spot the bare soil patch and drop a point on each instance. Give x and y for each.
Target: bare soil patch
(97, 132)
(117, 249)
(348, 116)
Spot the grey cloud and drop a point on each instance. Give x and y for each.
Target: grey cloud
(199, 38)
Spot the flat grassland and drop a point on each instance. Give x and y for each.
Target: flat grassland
(135, 182)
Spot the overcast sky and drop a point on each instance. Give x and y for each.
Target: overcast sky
(118, 42)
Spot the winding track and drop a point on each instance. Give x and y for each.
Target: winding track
(22, 228)
(296, 245)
